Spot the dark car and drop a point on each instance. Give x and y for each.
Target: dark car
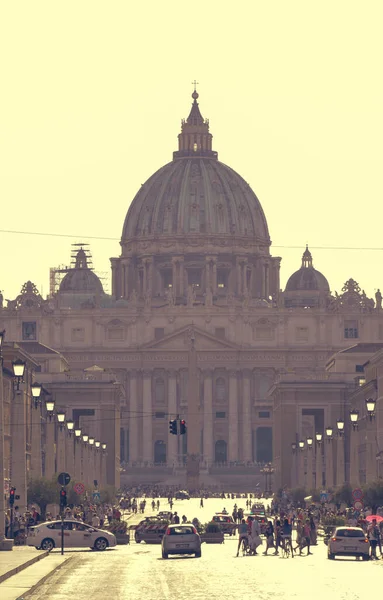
(182, 495)
(225, 522)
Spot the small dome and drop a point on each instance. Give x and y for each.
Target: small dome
(307, 278)
(81, 278)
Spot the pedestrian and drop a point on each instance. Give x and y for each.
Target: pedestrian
(201, 503)
(269, 533)
(278, 538)
(95, 521)
(373, 535)
(175, 519)
(306, 541)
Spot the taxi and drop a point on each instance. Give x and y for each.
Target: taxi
(225, 522)
(77, 534)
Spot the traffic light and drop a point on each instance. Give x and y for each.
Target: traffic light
(62, 498)
(182, 427)
(12, 496)
(173, 427)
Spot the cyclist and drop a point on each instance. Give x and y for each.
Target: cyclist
(286, 535)
(243, 534)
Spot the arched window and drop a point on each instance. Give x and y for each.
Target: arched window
(220, 454)
(159, 391)
(159, 451)
(220, 390)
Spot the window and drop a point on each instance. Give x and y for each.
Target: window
(302, 334)
(116, 334)
(349, 533)
(29, 330)
(351, 329)
(264, 414)
(220, 389)
(78, 334)
(220, 332)
(194, 277)
(221, 279)
(159, 390)
(181, 531)
(220, 415)
(159, 415)
(359, 368)
(159, 333)
(263, 333)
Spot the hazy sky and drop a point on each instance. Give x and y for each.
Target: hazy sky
(93, 94)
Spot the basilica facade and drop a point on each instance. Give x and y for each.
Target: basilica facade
(196, 261)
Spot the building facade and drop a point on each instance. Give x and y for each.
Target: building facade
(196, 260)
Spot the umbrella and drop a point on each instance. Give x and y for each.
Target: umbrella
(370, 518)
(308, 498)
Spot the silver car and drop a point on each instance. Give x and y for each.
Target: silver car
(348, 541)
(181, 539)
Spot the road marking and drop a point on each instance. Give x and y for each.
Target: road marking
(164, 585)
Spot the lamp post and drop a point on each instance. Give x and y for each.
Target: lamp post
(85, 458)
(301, 464)
(294, 481)
(354, 462)
(18, 367)
(69, 443)
(19, 434)
(318, 460)
(77, 454)
(370, 440)
(267, 471)
(36, 453)
(103, 464)
(329, 472)
(60, 441)
(370, 406)
(309, 479)
(4, 545)
(50, 438)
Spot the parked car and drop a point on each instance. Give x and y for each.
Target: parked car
(348, 541)
(47, 536)
(225, 522)
(182, 495)
(181, 539)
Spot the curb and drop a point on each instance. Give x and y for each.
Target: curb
(43, 579)
(23, 566)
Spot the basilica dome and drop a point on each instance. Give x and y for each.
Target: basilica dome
(81, 279)
(196, 194)
(307, 278)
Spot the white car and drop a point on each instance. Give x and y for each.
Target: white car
(348, 541)
(181, 539)
(76, 535)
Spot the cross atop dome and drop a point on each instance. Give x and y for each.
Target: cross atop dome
(195, 138)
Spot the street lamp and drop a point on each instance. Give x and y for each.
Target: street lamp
(329, 432)
(294, 447)
(370, 405)
(70, 426)
(103, 446)
(97, 444)
(50, 406)
(91, 441)
(340, 427)
(354, 416)
(309, 441)
(77, 433)
(36, 393)
(85, 438)
(319, 438)
(61, 418)
(301, 444)
(18, 367)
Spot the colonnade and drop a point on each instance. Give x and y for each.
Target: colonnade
(143, 427)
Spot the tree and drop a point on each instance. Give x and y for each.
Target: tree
(42, 491)
(343, 494)
(373, 494)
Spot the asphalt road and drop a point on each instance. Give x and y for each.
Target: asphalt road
(138, 572)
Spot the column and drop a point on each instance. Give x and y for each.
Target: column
(115, 286)
(370, 442)
(133, 418)
(301, 470)
(172, 450)
(214, 282)
(267, 281)
(69, 454)
(50, 454)
(246, 418)
(103, 467)
(208, 440)
(18, 444)
(340, 474)
(208, 273)
(60, 466)
(309, 478)
(233, 416)
(174, 277)
(147, 440)
(294, 467)
(77, 460)
(244, 275)
(329, 456)
(318, 467)
(36, 458)
(239, 278)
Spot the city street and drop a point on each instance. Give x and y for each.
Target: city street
(138, 571)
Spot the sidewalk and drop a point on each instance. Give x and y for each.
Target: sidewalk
(18, 559)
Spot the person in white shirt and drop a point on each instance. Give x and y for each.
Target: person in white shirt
(95, 520)
(255, 539)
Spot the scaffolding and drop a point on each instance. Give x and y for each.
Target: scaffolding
(56, 274)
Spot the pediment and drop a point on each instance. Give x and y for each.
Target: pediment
(180, 340)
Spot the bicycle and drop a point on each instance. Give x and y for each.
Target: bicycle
(245, 548)
(287, 547)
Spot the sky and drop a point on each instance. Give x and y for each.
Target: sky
(93, 93)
